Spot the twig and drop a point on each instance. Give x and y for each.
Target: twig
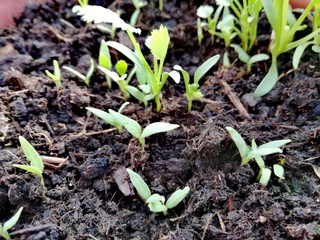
(32, 229)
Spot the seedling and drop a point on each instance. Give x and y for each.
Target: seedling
(158, 44)
(56, 75)
(210, 23)
(156, 202)
(108, 116)
(133, 127)
(248, 153)
(120, 76)
(138, 4)
(246, 58)
(36, 165)
(277, 15)
(192, 90)
(9, 224)
(226, 27)
(84, 78)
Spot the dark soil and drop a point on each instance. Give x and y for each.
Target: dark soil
(90, 197)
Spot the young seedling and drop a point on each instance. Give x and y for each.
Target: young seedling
(246, 58)
(36, 165)
(209, 23)
(108, 117)
(120, 76)
(138, 4)
(158, 44)
(277, 15)
(133, 127)
(226, 27)
(56, 75)
(192, 89)
(9, 224)
(156, 202)
(248, 153)
(84, 78)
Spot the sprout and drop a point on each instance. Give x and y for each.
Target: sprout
(9, 224)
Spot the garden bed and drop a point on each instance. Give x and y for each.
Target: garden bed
(83, 199)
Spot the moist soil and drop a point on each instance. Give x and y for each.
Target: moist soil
(90, 196)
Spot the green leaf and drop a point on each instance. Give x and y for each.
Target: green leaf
(226, 60)
(135, 92)
(278, 171)
(265, 176)
(185, 74)
(204, 67)
(262, 152)
(31, 154)
(258, 58)
(243, 56)
(298, 54)
(204, 11)
(270, 10)
(240, 143)
(56, 70)
(131, 125)
(155, 198)
(107, 117)
(158, 127)
(89, 73)
(157, 207)
(275, 144)
(13, 220)
(177, 197)
(31, 169)
(121, 67)
(75, 72)
(104, 55)
(173, 74)
(268, 82)
(158, 43)
(140, 185)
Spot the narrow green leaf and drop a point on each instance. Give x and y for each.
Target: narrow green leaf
(56, 70)
(278, 171)
(243, 56)
(31, 154)
(158, 127)
(89, 73)
(177, 197)
(270, 10)
(75, 72)
(135, 92)
(298, 54)
(205, 67)
(107, 117)
(262, 152)
(258, 58)
(30, 169)
(265, 176)
(13, 220)
(131, 125)
(240, 143)
(139, 184)
(275, 144)
(268, 82)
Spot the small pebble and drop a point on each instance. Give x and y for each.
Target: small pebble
(93, 168)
